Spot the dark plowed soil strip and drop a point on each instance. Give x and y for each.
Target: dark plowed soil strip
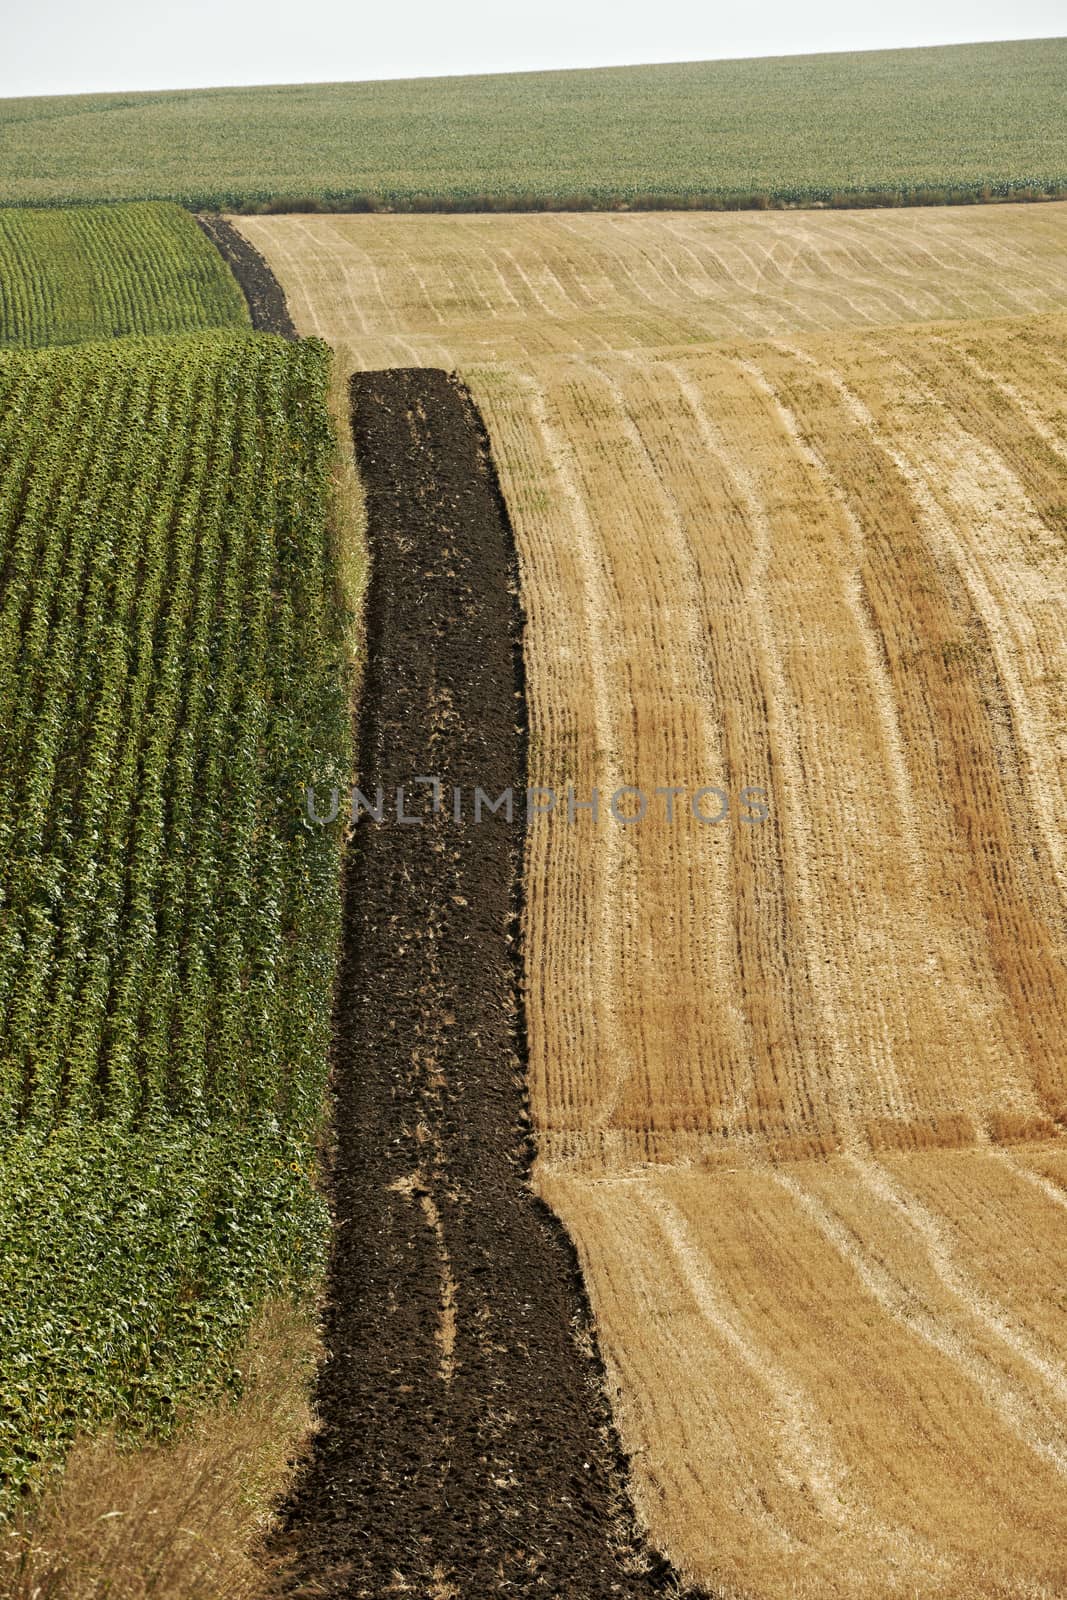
(466, 1449)
(265, 295)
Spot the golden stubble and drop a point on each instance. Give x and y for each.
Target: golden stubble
(789, 499)
(184, 1519)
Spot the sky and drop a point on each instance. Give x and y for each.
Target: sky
(71, 47)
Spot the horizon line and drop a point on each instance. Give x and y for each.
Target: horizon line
(523, 72)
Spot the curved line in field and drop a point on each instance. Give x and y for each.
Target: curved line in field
(1039, 1429)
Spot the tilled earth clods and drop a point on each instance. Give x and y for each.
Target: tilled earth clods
(466, 1448)
(265, 295)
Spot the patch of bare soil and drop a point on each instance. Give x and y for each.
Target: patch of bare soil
(466, 1447)
(265, 295)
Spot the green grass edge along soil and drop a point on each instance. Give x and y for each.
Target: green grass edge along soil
(940, 125)
(466, 1445)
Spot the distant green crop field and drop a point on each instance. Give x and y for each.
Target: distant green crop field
(170, 679)
(99, 272)
(949, 122)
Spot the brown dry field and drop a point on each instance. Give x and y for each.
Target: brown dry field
(790, 495)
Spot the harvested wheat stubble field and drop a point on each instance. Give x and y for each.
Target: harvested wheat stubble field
(790, 495)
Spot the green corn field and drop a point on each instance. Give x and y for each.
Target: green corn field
(101, 272)
(948, 124)
(170, 681)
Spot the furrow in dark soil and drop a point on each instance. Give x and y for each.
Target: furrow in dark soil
(265, 295)
(466, 1448)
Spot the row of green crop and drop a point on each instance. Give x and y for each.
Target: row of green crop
(170, 680)
(131, 1264)
(514, 198)
(101, 272)
(632, 199)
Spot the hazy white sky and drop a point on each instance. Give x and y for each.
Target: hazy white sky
(73, 46)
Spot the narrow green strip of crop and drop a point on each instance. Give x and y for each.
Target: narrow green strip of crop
(101, 272)
(171, 678)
